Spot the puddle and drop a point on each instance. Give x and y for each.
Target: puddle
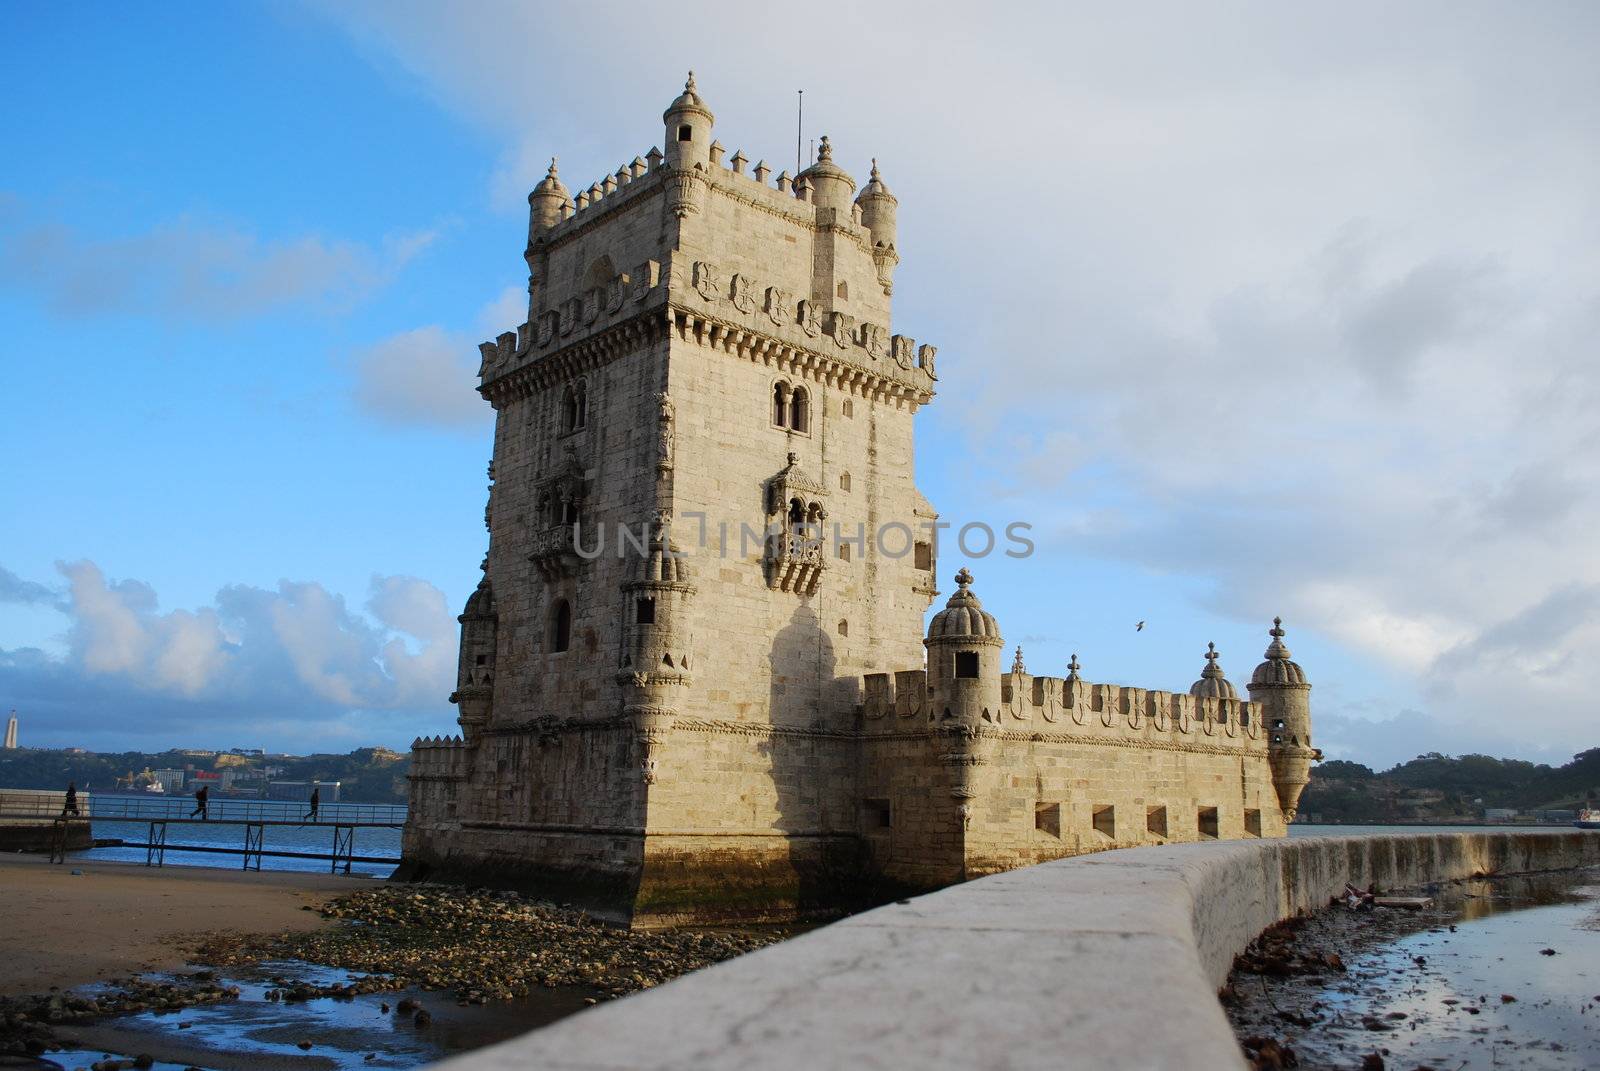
(1467, 985)
(255, 1034)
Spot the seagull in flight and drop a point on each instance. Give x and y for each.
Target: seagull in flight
(1139, 627)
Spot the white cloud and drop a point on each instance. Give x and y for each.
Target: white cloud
(295, 654)
(427, 376)
(193, 268)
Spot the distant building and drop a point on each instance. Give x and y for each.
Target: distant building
(169, 780)
(328, 791)
(11, 732)
(76, 750)
(248, 752)
(1499, 814)
(195, 753)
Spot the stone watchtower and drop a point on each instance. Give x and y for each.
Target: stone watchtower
(702, 431)
(1280, 686)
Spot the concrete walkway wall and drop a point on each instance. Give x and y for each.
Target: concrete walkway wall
(1101, 961)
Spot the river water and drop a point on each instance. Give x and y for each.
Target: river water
(1501, 973)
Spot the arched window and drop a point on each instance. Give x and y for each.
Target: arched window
(844, 291)
(575, 406)
(780, 404)
(561, 626)
(797, 514)
(799, 410)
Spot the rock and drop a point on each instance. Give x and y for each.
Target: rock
(144, 1061)
(304, 1044)
(1547, 952)
(422, 1019)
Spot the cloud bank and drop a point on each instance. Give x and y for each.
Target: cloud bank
(296, 659)
(1305, 300)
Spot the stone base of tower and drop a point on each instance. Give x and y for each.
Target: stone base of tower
(652, 882)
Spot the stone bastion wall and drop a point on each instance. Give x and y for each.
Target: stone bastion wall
(1107, 961)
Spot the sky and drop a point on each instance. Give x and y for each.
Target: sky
(1248, 309)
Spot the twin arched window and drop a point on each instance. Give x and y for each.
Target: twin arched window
(791, 407)
(575, 406)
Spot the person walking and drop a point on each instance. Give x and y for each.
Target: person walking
(316, 798)
(72, 800)
(201, 797)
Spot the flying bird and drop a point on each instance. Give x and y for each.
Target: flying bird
(1139, 627)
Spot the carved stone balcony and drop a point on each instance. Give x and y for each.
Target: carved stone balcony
(555, 551)
(795, 561)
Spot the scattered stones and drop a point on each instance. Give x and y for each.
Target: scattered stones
(485, 946)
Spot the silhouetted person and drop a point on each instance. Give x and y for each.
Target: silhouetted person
(316, 798)
(201, 797)
(72, 800)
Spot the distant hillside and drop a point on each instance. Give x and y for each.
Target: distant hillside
(367, 775)
(1437, 787)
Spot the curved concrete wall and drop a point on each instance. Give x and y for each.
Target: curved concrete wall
(1107, 961)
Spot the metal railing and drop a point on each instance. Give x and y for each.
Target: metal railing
(219, 809)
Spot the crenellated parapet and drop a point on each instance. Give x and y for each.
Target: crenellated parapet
(1109, 713)
(438, 758)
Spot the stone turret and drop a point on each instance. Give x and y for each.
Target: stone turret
(474, 694)
(1280, 686)
(547, 204)
(831, 186)
(878, 208)
(1212, 682)
(688, 122)
(964, 659)
(657, 645)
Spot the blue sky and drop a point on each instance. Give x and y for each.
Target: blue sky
(1247, 311)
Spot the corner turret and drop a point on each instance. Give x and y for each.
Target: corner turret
(963, 647)
(1280, 686)
(657, 642)
(474, 694)
(548, 204)
(878, 209)
(688, 122)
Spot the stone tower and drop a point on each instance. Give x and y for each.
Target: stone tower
(701, 433)
(1280, 686)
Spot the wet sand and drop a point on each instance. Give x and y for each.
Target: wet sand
(115, 918)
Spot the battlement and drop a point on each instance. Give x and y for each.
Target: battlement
(439, 758)
(902, 701)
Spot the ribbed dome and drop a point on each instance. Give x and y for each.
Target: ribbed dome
(550, 184)
(1278, 669)
(963, 617)
(876, 188)
(481, 602)
(825, 166)
(687, 101)
(1212, 683)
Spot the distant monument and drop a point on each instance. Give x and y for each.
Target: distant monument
(714, 726)
(11, 732)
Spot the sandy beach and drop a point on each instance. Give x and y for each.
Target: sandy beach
(65, 929)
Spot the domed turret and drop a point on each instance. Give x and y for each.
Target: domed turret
(1280, 687)
(474, 694)
(657, 645)
(1212, 683)
(831, 186)
(878, 208)
(1278, 669)
(688, 123)
(547, 204)
(964, 658)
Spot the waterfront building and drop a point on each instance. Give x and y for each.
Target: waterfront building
(695, 681)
